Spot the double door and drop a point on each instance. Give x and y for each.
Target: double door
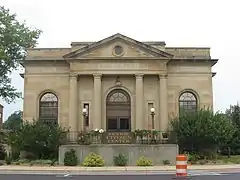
(118, 123)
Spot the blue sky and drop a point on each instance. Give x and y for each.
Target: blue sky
(197, 23)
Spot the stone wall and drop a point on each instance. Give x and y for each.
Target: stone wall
(157, 153)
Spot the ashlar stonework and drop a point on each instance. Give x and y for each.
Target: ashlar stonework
(60, 82)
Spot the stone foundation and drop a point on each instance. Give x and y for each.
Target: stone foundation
(157, 153)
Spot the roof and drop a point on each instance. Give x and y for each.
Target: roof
(118, 36)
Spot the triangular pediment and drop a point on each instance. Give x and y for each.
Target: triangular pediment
(118, 45)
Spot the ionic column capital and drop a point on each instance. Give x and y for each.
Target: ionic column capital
(73, 75)
(97, 76)
(163, 76)
(139, 76)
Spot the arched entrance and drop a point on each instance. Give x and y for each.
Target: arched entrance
(118, 106)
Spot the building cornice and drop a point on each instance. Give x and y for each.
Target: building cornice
(214, 74)
(67, 60)
(195, 60)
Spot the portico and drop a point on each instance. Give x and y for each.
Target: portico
(108, 113)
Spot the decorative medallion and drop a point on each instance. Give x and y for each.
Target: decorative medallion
(118, 50)
(118, 82)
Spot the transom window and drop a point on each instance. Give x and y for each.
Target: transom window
(187, 102)
(48, 109)
(118, 97)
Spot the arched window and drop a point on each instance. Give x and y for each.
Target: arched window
(48, 108)
(187, 102)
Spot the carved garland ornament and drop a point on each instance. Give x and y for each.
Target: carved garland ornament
(118, 82)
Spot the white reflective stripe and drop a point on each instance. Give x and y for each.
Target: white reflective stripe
(181, 171)
(181, 163)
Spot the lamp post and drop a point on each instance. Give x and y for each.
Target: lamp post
(152, 114)
(84, 113)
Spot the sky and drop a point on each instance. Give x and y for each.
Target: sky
(207, 23)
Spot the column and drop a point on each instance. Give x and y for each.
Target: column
(139, 101)
(97, 102)
(73, 107)
(163, 102)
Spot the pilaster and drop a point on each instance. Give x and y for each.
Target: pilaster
(97, 98)
(163, 102)
(139, 101)
(73, 107)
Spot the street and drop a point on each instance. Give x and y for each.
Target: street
(232, 176)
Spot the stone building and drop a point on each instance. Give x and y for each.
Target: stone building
(118, 80)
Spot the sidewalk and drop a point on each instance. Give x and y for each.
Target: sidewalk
(115, 169)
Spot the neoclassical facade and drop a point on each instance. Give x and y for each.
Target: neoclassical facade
(118, 80)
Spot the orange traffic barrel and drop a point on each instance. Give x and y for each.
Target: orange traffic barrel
(181, 165)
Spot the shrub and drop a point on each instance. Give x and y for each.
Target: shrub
(15, 153)
(166, 162)
(120, 160)
(202, 131)
(93, 160)
(193, 158)
(2, 152)
(70, 158)
(142, 161)
(38, 138)
(202, 162)
(8, 160)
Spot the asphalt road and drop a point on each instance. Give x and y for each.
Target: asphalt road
(233, 176)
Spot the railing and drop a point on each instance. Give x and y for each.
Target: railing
(136, 137)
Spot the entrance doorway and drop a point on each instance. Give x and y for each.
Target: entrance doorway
(118, 111)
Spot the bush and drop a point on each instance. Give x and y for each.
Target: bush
(15, 153)
(120, 160)
(70, 158)
(202, 131)
(8, 160)
(93, 160)
(2, 152)
(142, 161)
(166, 162)
(38, 138)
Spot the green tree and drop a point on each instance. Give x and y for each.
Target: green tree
(37, 138)
(202, 130)
(15, 37)
(233, 113)
(14, 121)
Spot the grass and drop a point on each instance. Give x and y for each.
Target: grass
(40, 162)
(232, 160)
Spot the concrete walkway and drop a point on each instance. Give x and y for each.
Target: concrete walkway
(115, 169)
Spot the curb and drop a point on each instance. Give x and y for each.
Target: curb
(68, 170)
(169, 169)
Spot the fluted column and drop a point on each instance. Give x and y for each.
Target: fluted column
(73, 107)
(139, 101)
(163, 102)
(97, 104)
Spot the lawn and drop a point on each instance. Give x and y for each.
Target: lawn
(232, 160)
